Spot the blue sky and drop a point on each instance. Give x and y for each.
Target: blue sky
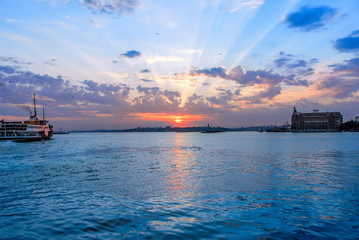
(127, 63)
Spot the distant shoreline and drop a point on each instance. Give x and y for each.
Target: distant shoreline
(173, 129)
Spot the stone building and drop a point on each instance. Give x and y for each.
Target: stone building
(316, 121)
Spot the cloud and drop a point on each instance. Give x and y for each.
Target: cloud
(13, 60)
(222, 99)
(146, 80)
(296, 82)
(280, 62)
(249, 77)
(298, 67)
(268, 93)
(266, 80)
(343, 82)
(308, 19)
(298, 64)
(349, 43)
(210, 72)
(61, 98)
(11, 20)
(349, 67)
(145, 70)
(111, 6)
(153, 99)
(97, 23)
(252, 77)
(197, 103)
(148, 90)
(131, 54)
(247, 4)
(7, 69)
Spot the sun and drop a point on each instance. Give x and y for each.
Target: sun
(178, 119)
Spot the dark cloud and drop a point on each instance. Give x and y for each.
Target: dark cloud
(148, 90)
(7, 69)
(14, 61)
(298, 64)
(146, 80)
(9, 59)
(197, 103)
(252, 77)
(314, 60)
(349, 66)
(145, 71)
(304, 72)
(236, 74)
(131, 54)
(284, 54)
(349, 43)
(89, 100)
(293, 82)
(299, 68)
(210, 72)
(280, 62)
(308, 18)
(268, 93)
(111, 6)
(222, 99)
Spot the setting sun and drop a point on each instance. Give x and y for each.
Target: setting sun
(178, 120)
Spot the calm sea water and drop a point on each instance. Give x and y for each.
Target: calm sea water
(238, 185)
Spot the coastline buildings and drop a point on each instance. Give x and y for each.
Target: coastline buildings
(316, 121)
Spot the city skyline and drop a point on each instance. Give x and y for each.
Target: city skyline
(116, 64)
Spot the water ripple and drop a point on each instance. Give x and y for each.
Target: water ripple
(181, 186)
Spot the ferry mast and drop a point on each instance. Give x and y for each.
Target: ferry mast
(34, 117)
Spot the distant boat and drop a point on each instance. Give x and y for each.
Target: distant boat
(31, 130)
(61, 132)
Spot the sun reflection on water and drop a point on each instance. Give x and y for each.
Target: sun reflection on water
(182, 160)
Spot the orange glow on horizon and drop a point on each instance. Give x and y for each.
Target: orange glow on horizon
(164, 117)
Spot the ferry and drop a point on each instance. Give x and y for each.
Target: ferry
(24, 131)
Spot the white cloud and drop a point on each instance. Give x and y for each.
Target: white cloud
(248, 4)
(10, 20)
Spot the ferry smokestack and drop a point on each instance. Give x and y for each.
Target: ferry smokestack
(35, 113)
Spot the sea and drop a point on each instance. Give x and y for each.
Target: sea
(230, 185)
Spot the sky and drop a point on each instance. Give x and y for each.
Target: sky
(117, 64)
